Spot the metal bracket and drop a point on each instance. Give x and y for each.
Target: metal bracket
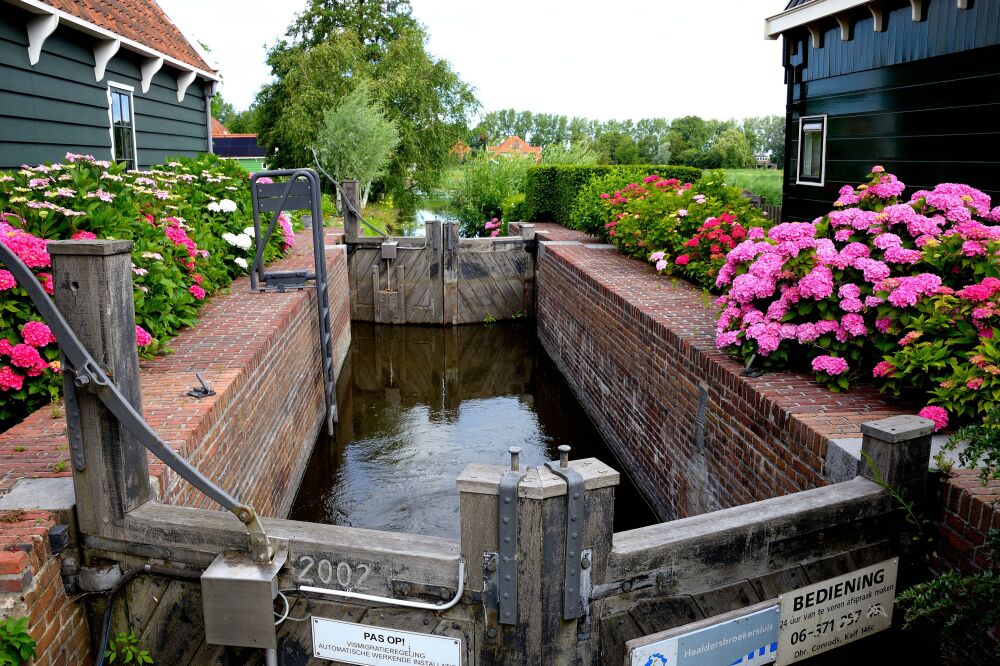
(572, 603)
(203, 391)
(491, 593)
(507, 539)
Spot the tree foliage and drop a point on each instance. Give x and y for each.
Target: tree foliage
(337, 45)
(356, 140)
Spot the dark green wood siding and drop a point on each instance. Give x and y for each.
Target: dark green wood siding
(56, 106)
(921, 99)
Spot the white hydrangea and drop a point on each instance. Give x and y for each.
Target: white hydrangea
(249, 231)
(227, 206)
(243, 241)
(214, 207)
(241, 262)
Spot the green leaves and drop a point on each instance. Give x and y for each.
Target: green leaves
(16, 646)
(124, 649)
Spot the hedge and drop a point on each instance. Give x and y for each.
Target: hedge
(550, 191)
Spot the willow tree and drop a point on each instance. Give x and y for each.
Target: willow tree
(357, 140)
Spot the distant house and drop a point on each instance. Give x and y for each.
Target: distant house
(515, 145)
(241, 147)
(117, 80)
(763, 161)
(912, 85)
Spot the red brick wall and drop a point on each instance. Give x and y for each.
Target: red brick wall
(30, 585)
(969, 510)
(637, 347)
(260, 353)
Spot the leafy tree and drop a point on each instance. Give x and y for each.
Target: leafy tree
(617, 148)
(733, 150)
(337, 44)
(688, 133)
(356, 140)
(580, 153)
(222, 110)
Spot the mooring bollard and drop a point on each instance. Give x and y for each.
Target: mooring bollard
(93, 290)
(896, 452)
(561, 541)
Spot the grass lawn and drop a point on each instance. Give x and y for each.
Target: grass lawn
(762, 182)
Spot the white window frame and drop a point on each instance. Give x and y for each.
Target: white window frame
(122, 87)
(798, 164)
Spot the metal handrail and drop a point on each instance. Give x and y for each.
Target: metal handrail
(87, 374)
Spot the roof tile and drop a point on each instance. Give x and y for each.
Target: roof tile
(139, 20)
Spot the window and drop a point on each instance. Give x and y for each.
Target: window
(122, 124)
(812, 150)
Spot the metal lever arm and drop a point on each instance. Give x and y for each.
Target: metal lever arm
(89, 375)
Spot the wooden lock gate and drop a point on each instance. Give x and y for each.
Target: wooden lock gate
(546, 579)
(438, 279)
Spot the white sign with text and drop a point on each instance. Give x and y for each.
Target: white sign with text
(836, 612)
(351, 643)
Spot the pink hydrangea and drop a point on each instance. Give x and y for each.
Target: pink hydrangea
(142, 337)
(25, 356)
(197, 292)
(83, 235)
(883, 324)
(7, 280)
(831, 365)
(37, 334)
(883, 369)
(818, 284)
(936, 414)
(10, 380)
(974, 384)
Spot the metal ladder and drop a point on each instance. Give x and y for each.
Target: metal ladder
(286, 190)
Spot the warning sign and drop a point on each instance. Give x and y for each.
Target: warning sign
(836, 612)
(351, 643)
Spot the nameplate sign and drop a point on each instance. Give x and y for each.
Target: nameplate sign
(748, 636)
(350, 643)
(836, 612)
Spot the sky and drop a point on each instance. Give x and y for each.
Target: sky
(601, 60)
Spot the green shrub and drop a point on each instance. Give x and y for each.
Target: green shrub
(551, 191)
(16, 646)
(589, 212)
(682, 228)
(187, 220)
(487, 184)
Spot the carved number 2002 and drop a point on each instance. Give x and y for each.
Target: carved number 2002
(325, 572)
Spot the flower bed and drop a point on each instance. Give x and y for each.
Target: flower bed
(903, 293)
(190, 221)
(683, 228)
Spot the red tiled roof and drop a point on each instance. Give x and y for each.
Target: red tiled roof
(139, 20)
(515, 144)
(218, 129)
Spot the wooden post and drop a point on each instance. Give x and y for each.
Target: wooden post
(93, 290)
(527, 232)
(450, 257)
(352, 232)
(896, 451)
(541, 635)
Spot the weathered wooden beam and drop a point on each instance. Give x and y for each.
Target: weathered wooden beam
(895, 451)
(349, 191)
(704, 551)
(370, 560)
(93, 290)
(541, 634)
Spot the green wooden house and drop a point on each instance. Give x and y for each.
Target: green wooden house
(116, 80)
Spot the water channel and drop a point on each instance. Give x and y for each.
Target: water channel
(418, 404)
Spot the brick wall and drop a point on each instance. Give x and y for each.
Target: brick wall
(260, 353)
(31, 585)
